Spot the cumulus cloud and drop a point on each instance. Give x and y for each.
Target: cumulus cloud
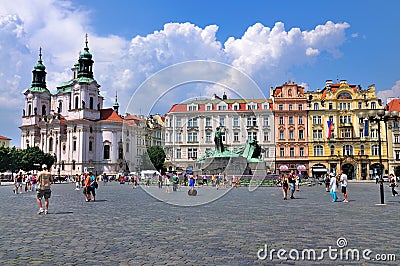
(394, 91)
(265, 53)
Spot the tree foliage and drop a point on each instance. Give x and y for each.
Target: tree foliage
(157, 157)
(12, 159)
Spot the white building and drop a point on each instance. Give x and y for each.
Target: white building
(72, 123)
(190, 127)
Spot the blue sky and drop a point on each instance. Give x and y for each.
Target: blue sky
(271, 41)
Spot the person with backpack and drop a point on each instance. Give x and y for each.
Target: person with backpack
(393, 184)
(175, 182)
(90, 187)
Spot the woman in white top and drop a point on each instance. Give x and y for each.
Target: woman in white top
(167, 183)
(333, 187)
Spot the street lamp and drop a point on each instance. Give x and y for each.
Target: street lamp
(378, 116)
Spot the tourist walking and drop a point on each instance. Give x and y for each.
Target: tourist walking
(217, 180)
(292, 184)
(175, 182)
(393, 184)
(344, 182)
(205, 181)
(77, 182)
(327, 181)
(19, 180)
(44, 181)
(160, 181)
(333, 188)
(167, 183)
(90, 187)
(285, 186)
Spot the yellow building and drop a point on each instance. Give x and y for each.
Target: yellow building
(4, 142)
(340, 137)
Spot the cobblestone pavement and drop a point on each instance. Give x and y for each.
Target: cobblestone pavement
(127, 226)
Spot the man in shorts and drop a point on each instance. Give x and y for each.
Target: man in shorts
(44, 181)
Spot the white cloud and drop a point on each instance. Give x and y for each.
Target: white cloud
(264, 53)
(394, 91)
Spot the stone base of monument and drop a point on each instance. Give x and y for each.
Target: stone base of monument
(258, 168)
(226, 165)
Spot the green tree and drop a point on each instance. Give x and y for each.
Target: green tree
(157, 157)
(34, 155)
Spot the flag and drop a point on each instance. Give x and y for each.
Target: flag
(330, 128)
(366, 128)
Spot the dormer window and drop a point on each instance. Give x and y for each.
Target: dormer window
(236, 106)
(265, 106)
(251, 106)
(209, 107)
(222, 106)
(192, 107)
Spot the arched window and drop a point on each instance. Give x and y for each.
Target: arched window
(106, 152)
(318, 150)
(332, 150)
(59, 107)
(91, 103)
(362, 150)
(44, 110)
(29, 109)
(347, 150)
(90, 145)
(375, 150)
(62, 165)
(73, 165)
(50, 144)
(76, 102)
(120, 152)
(127, 147)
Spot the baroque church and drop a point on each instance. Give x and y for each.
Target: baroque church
(72, 123)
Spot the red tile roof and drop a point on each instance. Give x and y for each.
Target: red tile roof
(394, 105)
(4, 138)
(109, 115)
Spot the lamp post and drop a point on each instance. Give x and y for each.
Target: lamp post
(378, 116)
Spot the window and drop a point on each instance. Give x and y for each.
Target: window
(280, 107)
(178, 137)
(127, 147)
(375, 150)
(318, 150)
(282, 152)
(300, 107)
(291, 134)
(266, 153)
(396, 138)
(192, 137)
(73, 165)
(347, 150)
(59, 107)
(252, 135)
(316, 106)
(374, 133)
(251, 121)
(291, 152)
(281, 121)
(266, 121)
(345, 119)
(76, 102)
(359, 105)
(266, 136)
(192, 153)
(290, 107)
(208, 107)
(120, 152)
(222, 121)
(300, 120)
(281, 134)
(317, 120)
(221, 107)
(208, 122)
(178, 122)
(291, 120)
(50, 144)
(44, 110)
(208, 136)
(74, 145)
(236, 121)
(91, 102)
(397, 153)
(373, 105)
(265, 106)
(91, 145)
(345, 133)
(178, 153)
(192, 122)
(252, 107)
(332, 148)
(301, 134)
(236, 136)
(330, 106)
(106, 152)
(192, 108)
(362, 150)
(317, 134)
(236, 107)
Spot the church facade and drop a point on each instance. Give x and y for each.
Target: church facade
(72, 123)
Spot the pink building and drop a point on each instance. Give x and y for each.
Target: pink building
(290, 116)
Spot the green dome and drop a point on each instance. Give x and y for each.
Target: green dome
(39, 66)
(86, 54)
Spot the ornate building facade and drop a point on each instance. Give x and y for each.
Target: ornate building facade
(190, 127)
(290, 115)
(72, 123)
(340, 135)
